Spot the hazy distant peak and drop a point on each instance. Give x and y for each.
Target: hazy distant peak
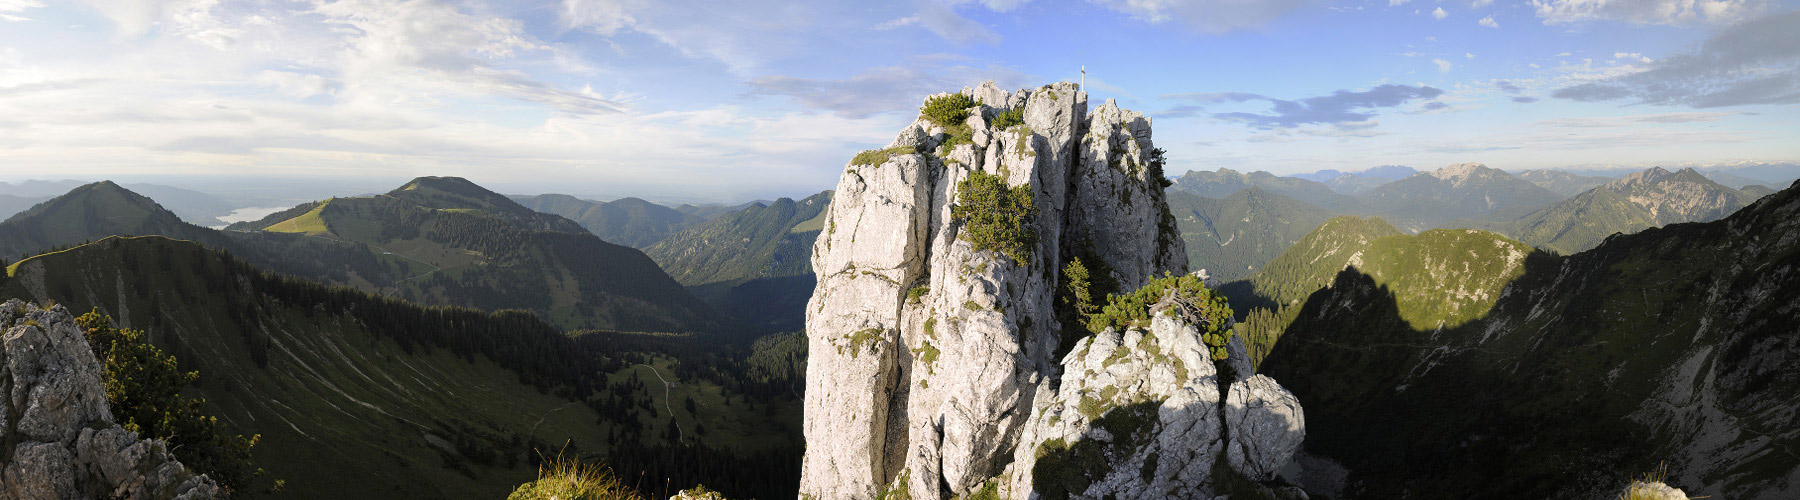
(1388, 172)
(1461, 171)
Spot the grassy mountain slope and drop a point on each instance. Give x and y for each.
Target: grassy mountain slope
(1442, 278)
(1468, 190)
(754, 264)
(1676, 345)
(1234, 236)
(467, 246)
(358, 396)
(628, 221)
(1311, 262)
(1651, 198)
(343, 411)
(766, 241)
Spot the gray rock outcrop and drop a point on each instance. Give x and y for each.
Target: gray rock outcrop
(58, 426)
(1147, 414)
(933, 365)
(1267, 426)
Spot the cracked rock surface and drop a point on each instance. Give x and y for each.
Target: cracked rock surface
(63, 442)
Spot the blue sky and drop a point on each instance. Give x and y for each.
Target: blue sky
(727, 101)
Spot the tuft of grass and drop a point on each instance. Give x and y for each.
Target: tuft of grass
(913, 296)
(566, 479)
(875, 157)
(1651, 487)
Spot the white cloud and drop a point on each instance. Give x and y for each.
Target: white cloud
(1470, 55)
(1488, 22)
(8, 7)
(883, 90)
(1396, 3)
(19, 5)
(1756, 62)
(1439, 13)
(1647, 11)
(1442, 65)
(1208, 16)
(1476, 4)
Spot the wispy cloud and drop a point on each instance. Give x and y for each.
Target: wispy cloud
(1488, 22)
(1342, 108)
(1647, 11)
(1626, 121)
(881, 90)
(1207, 16)
(1757, 62)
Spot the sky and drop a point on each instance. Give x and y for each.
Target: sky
(728, 101)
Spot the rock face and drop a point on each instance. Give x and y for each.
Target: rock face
(930, 361)
(1267, 426)
(64, 444)
(1147, 414)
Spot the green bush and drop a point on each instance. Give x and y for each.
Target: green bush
(1157, 162)
(995, 216)
(144, 387)
(947, 110)
(1008, 118)
(1195, 302)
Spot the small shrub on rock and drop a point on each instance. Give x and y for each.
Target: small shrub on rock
(947, 110)
(1189, 298)
(995, 216)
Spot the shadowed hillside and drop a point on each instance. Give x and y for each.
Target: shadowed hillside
(1676, 346)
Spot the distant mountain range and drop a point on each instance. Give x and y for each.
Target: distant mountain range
(754, 264)
(460, 244)
(632, 222)
(1225, 182)
(1357, 182)
(1561, 376)
(1234, 236)
(1563, 183)
(1461, 191)
(1651, 198)
(441, 241)
(191, 206)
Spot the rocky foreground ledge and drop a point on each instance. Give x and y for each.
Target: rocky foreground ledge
(59, 439)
